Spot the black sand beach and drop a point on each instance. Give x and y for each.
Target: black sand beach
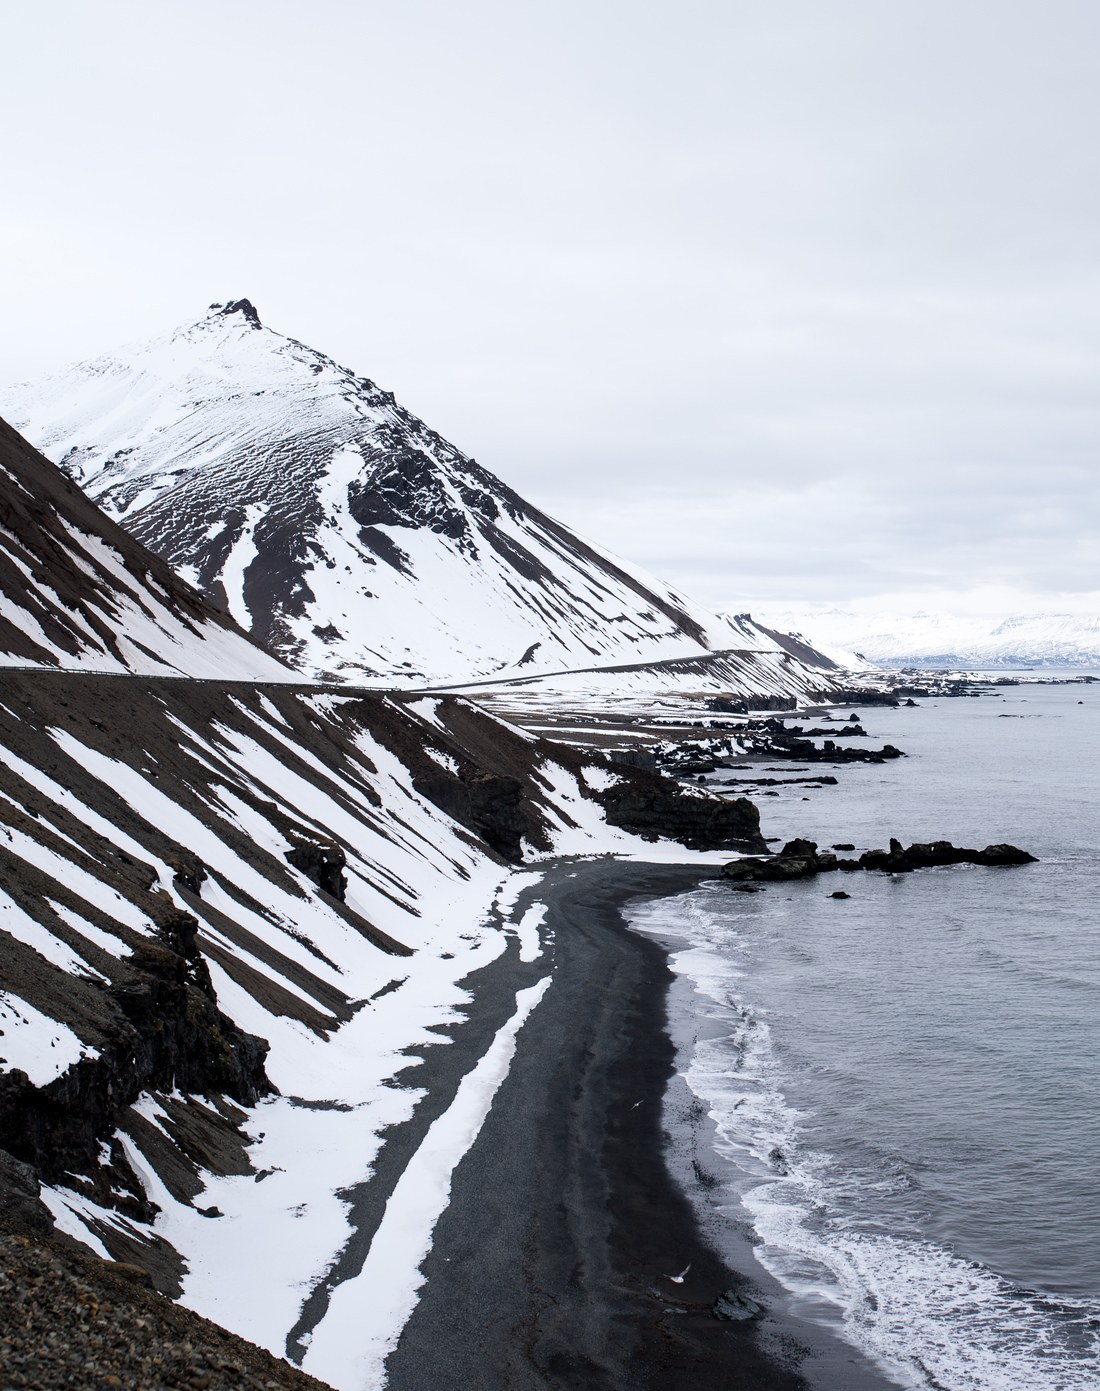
(550, 1266)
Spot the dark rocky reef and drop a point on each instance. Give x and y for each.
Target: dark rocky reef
(767, 738)
(900, 859)
(801, 859)
(777, 740)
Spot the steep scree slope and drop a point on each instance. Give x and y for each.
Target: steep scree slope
(77, 591)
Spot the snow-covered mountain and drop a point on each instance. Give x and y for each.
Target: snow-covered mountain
(334, 525)
(937, 639)
(76, 591)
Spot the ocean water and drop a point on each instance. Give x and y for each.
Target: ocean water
(905, 1085)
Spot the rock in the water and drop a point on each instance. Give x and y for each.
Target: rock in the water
(934, 854)
(800, 859)
(1005, 855)
(780, 867)
(839, 893)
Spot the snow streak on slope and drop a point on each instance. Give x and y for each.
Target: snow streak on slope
(354, 539)
(938, 639)
(76, 591)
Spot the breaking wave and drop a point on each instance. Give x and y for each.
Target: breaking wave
(840, 1233)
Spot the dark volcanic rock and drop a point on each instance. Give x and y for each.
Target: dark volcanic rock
(189, 872)
(800, 859)
(492, 805)
(781, 867)
(900, 860)
(736, 1308)
(650, 806)
(21, 1208)
(859, 695)
(634, 758)
(170, 1035)
(777, 740)
(1005, 855)
(323, 864)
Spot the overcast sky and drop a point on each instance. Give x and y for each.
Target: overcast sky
(787, 301)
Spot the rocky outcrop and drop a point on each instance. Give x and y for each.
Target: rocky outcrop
(900, 859)
(323, 865)
(863, 695)
(741, 705)
(21, 1208)
(801, 859)
(651, 806)
(776, 740)
(164, 1032)
(492, 805)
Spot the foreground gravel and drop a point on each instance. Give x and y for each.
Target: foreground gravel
(69, 1321)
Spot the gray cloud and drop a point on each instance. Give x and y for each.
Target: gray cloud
(789, 301)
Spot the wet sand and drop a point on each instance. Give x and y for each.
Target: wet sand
(550, 1267)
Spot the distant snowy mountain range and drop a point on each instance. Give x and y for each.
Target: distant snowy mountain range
(948, 640)
(338, 528)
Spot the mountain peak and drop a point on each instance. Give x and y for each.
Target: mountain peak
(244, 307)
(339, 528)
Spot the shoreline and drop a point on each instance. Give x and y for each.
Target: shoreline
(550, 1266)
